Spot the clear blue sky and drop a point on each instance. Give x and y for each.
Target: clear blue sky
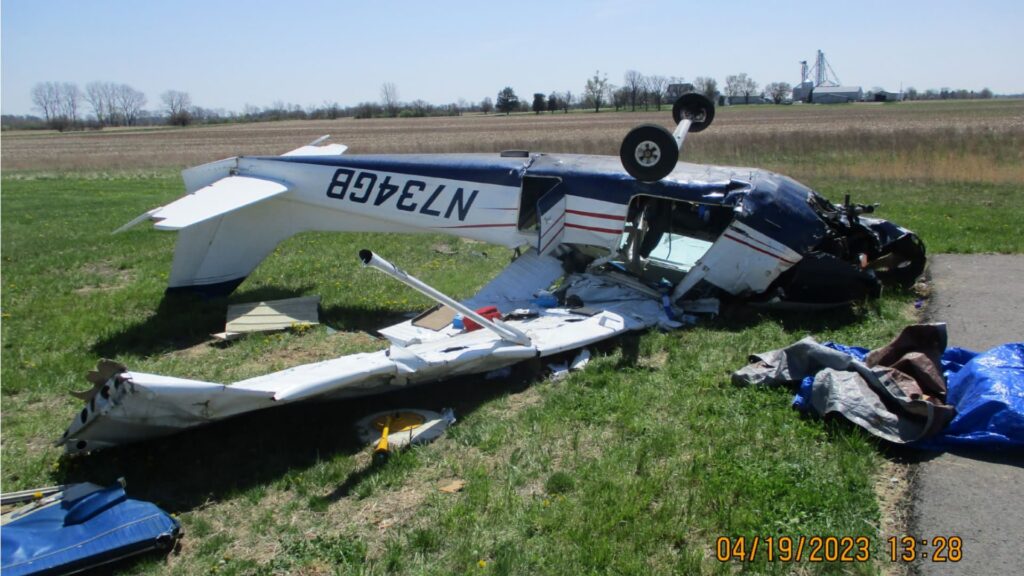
(227, 54)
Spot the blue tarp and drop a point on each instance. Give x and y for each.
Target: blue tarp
(987, 390)
(72, 535)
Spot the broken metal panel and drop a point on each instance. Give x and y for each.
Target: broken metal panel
(134, 406)
(781, 208)
(568, 331)
(273, 314)
(741, 261)
(517, 284)
(325, 377)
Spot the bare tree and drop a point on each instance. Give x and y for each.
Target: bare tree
(740, 85)
(331, 110)
(178, 106)
(633, 81)
(46, 97)
(389, 98)
(70, 101)
(620, 98)
(707, 86)
(59, 102)
(129, 102)
(567, 101)
(486, 105)
(99, 96)
(595, 90)
(778, 91)
(656, 86)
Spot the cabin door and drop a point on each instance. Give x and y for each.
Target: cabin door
(551, 211)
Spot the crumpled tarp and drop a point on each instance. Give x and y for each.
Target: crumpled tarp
(895, 393)
(983, 393)
(67, 536)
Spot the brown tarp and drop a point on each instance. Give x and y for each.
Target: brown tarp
(898, 393)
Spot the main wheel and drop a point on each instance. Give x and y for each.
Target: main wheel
(695, 107)
(649, 153)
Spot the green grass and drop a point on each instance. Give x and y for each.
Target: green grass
(635, 465)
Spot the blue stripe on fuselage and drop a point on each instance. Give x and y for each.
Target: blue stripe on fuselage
(476, 168)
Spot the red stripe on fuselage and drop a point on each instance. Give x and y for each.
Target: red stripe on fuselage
(761, 250)
(595, 229)
(596, 215)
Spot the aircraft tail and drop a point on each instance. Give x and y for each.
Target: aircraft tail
(227, 223)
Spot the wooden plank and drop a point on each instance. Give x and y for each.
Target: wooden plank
(273, 314)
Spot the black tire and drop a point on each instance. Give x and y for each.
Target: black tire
(649, 153)
(697, 108)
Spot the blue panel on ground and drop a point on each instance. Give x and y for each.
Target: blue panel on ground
(68, 536)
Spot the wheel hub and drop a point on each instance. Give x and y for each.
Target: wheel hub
(648, 153)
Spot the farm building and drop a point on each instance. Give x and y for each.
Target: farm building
(752, 99)
(836, 94)
(674, 91)
(802, 91)
(884, 96)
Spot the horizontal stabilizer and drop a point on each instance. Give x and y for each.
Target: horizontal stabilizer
(223, 196)
(310, 150)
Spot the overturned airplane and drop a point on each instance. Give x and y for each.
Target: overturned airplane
(632, 241)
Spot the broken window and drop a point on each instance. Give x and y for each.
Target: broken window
(665, 238)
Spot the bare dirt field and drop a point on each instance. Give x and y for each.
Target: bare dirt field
(985, 136)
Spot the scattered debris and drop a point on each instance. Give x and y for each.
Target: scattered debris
(395, 429)
(580, 361)
(559, 371)
(435, 318)
(453, 487)
(270, 316)
(701, 306)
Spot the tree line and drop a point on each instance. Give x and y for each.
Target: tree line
(64, 106)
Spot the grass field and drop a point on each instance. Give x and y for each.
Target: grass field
(635, 465)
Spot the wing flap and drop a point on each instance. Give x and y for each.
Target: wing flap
(223, 196)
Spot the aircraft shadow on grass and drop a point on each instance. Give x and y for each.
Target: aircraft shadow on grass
(182, 321)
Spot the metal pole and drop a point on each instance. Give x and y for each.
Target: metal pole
(504, 331)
